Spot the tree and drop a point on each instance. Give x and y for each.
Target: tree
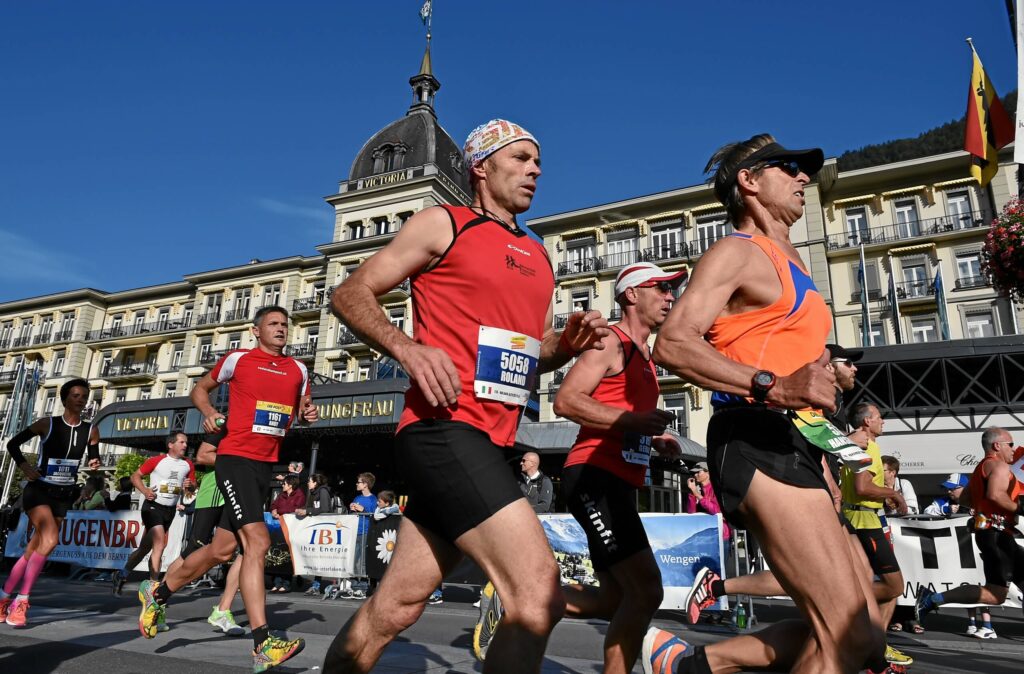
(127, 465)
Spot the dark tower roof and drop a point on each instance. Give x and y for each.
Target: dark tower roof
(415, 139)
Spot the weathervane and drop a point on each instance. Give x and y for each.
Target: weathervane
(426, 14)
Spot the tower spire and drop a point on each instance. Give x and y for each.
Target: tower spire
(424, 84)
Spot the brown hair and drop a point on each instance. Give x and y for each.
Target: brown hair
(368, 478)
(723, 165)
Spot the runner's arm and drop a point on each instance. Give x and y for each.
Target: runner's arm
(682, 349)
(865, 488)
(584, 330)
(39, 427)
(575, 395)
(93, 449)
(998, 485)
(206, 455)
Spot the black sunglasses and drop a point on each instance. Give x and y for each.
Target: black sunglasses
(789, 166)
(662, 286)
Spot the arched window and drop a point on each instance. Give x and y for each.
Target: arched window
(389, 157)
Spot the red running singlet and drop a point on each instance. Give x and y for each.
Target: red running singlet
(491, 276)
(635, 389)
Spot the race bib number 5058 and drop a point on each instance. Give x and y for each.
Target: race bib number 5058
(506, 366)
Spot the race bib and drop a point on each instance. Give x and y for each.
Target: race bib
(636, 449)
(271, 418)
(61, 471)
(506, 366)
(169, 488)
(823, 434)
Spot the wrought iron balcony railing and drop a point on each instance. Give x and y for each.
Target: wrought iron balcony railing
(972, 282)
(909, 290)
(347, 337)
(133, 329)
(909, 230)
(209, 318)
(133, 370)
(301, 350)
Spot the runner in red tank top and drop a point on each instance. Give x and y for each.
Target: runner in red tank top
(613, 395)
(995, 515)
(482, 291)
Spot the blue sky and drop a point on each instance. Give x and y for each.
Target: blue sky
(145, 140)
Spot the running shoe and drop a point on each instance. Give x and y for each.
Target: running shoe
(225, 622)
(313, 589)
(971, 630)
(700, 596)
(896, 657)
(661, 650)
(985, 633)
(151, 610)
(18, 615)
(924, 604)
(891, 669)
(161, 620)
(117, 581)
(487, 623)
(435, 598)
(273, 651)
(5, 607)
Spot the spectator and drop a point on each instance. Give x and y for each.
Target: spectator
(535, 485)
(702, 495)
(386, 505)
(91, 497)
(319, 500)
(891, 471)
(950, 503)
(364, 504)
(287, 502)
(294, 468)
(123, 500)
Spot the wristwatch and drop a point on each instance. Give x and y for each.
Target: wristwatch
(761, 384)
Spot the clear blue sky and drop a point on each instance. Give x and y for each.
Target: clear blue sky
(145, 140)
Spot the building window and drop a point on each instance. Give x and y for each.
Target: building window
(163, 317)
(234, 340)
(924, 329)
(622, 248)
(51, 402)
(58, 363)
(205, 347)
(580, 300)
(115, 325)
(579, 255)
(312, 337)
(356, 230)
(381, 226)
(389, 157)
(677, 406)
(177, 354)
(318, 292)
(272, 295)
(710, 228)
(874, 285)
(402, 218)
(170, 390)
(146, 393)
(339, 372)
(908, 223)
(364, 370)
(5, 334)
(242, 301)
(958, 206)
(980, 323)
(67, 325)
(186, 315)
(968, 271)
(108, 359)
(397, 318)
(857, 225)
(915, 279)
(120, 396)
(876, 337)
(140, 320)
(667, 241)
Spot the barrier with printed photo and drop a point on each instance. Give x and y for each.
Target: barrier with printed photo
(682, 544)
(99, 539)
(321, 545)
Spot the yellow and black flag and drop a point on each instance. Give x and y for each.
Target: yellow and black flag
(988, 126)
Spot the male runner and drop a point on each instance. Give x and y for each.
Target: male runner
(267, 391)
(764, 354)
(50, 491)
(482, 293)
(613, 394)
(170, 474)
(992, 488)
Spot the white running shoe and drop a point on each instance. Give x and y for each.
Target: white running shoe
(971, 630)
(985, 633)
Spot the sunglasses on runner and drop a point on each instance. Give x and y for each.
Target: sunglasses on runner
(789, 166)
(663, 286)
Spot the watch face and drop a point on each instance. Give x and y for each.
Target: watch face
(763, 379)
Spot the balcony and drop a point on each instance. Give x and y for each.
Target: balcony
(558, 376)
(915, 290)
(5, 343)
(211, 356)
(909, 230)
(311, 304)
(303, 351)
(64, 335)
(587, 264)
(131, 372)
(346, 337)
(209, 318)
(20, 342)
(673, 251)
(236, 315)
(403, 287)
(969, 282)
(874, 294)
(7, 379)
(137, 329)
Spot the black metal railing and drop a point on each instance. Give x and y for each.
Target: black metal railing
(236, 315)
(587, 264)
(972, 282)
(64, 335)
(347, 337)
(673, 251)
(314, 303)
(301, 350)
(874, 294)
(212, 356)
(209, 318)
(909, 290)
(133, 370)
(133, 329)
(8, 377)
(42, 338)
(21, 341)
(5, 343)
(909, 230)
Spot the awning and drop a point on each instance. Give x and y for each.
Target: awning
(556, 437)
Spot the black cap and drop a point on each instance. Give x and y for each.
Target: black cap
(836, 351)
(810, 162)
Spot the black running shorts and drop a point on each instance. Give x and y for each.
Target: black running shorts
(742, 440)
(605, 506)
(204, 521)
(157, 515)
(245, 484)
(879, 551)
(59, 499)
(456, 477)
(1001, 557)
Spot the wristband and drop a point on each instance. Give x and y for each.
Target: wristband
(563, 344)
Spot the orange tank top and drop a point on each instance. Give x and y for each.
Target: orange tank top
(635, 388)
(988, 513)
(781, 337)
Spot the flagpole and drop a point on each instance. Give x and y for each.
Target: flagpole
(865, 314)
(897, 328)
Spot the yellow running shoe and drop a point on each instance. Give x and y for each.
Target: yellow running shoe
(151, 610)
(895, 657)
(273, 651)
(490, 616)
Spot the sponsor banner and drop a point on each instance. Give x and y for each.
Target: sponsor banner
(380, 545)
(99, 539)
(682, 545)
(321, 545)
(941, 555)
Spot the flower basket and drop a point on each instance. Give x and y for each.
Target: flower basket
(1002, 255)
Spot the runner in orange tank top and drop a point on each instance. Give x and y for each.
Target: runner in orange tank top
(992, 490)
(751, 326)
(613, 395)
(482, 296)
